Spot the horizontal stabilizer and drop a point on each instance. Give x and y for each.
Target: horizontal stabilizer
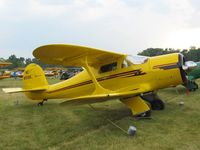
(17, 90)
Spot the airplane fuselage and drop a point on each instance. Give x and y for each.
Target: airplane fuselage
(155, 73)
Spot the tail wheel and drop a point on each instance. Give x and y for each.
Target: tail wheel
(157, 104)
(40, 103)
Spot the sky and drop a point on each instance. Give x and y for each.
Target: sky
(125, 26)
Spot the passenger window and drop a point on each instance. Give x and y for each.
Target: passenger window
(108, 67)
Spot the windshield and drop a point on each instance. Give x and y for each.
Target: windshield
(137, 59)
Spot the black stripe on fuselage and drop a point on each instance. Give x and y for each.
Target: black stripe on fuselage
(132, 73)
(167, 66)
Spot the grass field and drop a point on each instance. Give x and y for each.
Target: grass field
(28, 127)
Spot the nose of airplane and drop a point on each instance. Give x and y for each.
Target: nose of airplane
(185, 66)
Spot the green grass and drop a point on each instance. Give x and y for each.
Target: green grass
(54, 127)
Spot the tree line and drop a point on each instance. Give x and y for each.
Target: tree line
(192, 53)
(20, 62)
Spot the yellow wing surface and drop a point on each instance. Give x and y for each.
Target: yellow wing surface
(72, 55)
(100, 97)
(135, 103)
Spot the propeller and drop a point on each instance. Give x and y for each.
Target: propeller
(185, 67)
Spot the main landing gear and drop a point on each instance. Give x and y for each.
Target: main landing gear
(42, 102)
(155, 102)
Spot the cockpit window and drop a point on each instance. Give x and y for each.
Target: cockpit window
(137, 59)
(108, 67)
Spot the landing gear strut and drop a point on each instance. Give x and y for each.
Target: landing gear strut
(42, 102)
(155, 102)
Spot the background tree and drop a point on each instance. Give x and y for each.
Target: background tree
(158, 51)
(190, 54)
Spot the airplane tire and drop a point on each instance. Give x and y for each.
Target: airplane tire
(157, 105)
(40, 104)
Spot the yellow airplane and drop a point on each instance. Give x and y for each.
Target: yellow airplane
(4, 64)
(49, 72)
(106, 76)
(6, 74)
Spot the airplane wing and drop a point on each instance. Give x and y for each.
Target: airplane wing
(130, 98)
(87, 99)
(72, 55)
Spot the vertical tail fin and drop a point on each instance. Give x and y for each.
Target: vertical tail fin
(34, 78)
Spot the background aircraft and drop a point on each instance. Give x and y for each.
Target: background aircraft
(106, 75)
(192, 76)
(3, 63)
(4, 74)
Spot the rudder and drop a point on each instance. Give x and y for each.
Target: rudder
(34, 78)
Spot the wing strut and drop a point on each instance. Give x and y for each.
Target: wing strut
(98, 88)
